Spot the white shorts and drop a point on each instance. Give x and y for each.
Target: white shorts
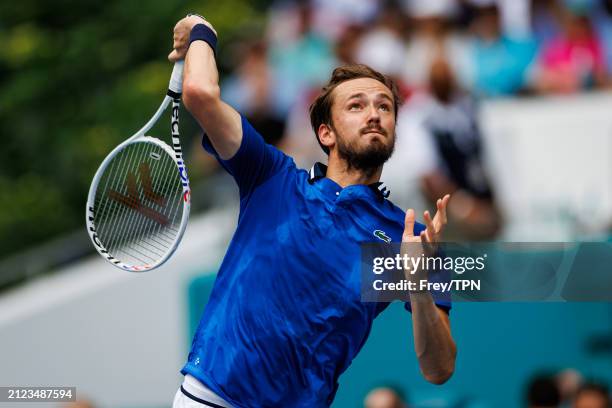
(193, 394)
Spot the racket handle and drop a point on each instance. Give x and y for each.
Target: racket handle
(176, 80)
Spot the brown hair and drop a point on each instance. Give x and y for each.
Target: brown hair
(320, 109)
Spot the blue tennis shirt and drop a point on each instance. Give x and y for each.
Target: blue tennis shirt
(284, 318)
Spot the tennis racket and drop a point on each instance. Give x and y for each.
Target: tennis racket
(139, 199)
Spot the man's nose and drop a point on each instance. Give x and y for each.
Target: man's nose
(373, 114)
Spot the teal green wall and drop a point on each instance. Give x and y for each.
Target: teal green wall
(500, 345)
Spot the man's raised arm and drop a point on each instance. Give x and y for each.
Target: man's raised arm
(201, 92)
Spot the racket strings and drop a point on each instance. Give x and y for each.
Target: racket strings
(139, 205)
(131, 237)
(159, 237)
(115, 213)
(130, 200)
(130, 225)
(116, 191)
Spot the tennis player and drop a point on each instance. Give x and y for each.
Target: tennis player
(284, 318)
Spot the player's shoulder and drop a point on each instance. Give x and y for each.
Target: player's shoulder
(394, 212)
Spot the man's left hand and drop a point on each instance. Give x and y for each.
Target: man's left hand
(428, 238)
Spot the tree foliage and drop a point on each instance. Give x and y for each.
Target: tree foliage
(77, 78)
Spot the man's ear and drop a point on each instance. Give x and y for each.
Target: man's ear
(327, 136)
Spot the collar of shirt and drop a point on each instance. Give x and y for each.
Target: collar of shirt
(332, 189)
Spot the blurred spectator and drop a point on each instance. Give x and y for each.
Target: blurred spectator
(568, 382)
(453, 126)
(542, 392)
(300, 57)
(347, 44)
(385, 397)
(602, 21)
(382, 46)
(250, 90)
(448, 156)
(81, 403)
(500, 61)
(546, 20)
(592, 395)
(515, 16)
(332, 17)
(573, 60)
(431, 37)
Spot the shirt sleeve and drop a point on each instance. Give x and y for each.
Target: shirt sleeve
(254, 162)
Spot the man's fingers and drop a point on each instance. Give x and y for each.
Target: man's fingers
(180, 35)
(440, 218)
(173, 56)
(427, 244)
(429, 226)
(424, 238)
(193, 19)
(445, 201)
(408, 225)
(444, 204)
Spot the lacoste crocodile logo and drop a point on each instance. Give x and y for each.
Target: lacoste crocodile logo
(382, 236)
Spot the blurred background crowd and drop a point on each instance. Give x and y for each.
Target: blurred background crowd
(447, 56)
(566, 388)
(506, 106)
(79, 77)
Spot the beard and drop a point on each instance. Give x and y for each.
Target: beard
(368, 159)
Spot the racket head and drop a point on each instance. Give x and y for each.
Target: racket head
(138, 204)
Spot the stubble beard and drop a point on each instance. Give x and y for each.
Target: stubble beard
(367, 160)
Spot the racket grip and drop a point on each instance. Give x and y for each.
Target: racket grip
(176, 80)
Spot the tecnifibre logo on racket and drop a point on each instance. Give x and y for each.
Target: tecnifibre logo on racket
(176, 145)
(178, 152)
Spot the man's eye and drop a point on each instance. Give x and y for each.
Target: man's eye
(354, 106)
(385, 107)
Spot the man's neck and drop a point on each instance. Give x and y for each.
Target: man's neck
(338, 171)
